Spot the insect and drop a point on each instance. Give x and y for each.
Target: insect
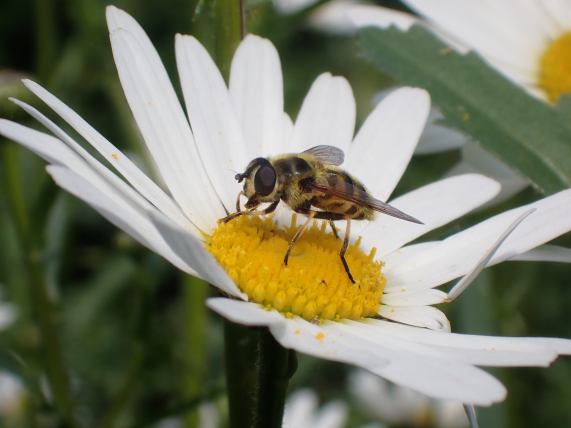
(313, 184)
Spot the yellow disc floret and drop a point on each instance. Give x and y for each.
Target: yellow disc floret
(555, 75)
(314, 284)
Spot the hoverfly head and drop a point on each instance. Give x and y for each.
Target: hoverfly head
(260, 180)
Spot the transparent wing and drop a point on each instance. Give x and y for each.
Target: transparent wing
(363, 199)
(328, 155)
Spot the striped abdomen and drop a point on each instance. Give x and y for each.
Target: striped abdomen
(337, 179)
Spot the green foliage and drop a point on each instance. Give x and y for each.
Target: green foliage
(523, 132)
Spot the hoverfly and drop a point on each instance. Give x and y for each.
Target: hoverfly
(310, 183)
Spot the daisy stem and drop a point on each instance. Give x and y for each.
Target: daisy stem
(257, 372)
(195, 293)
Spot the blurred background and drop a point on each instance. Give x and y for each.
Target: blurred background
(84, 307)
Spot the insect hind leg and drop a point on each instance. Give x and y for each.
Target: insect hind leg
(344, 249)
(324, 215)
(334, 229)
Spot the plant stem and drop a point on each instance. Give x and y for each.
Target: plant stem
(41, 301)
(257, 372)
(195, 293)
(229, 29)
(45, 37)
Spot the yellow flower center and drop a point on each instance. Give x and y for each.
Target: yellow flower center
(314, 284)
(555, 75)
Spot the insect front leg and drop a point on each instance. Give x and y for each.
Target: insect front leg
(269, 209)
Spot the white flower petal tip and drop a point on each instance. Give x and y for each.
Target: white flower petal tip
(217, 132)
(256, 90)
(119, 19)
(327, 115)
(461, 285)
(161, 120)
(387, 139)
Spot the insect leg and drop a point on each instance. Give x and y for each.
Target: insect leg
(334, 229)
(344, 249)
(238, 209)
(269, 209)
(310, 216)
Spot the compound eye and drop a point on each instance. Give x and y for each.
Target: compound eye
(265, 180)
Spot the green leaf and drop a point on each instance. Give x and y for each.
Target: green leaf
(525, 133)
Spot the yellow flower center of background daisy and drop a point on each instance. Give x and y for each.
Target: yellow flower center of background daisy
(314, 284)
(555, 75)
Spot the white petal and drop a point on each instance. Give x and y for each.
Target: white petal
(327, 115)
(414, 298)
(256, 89)
(560, 11)
(432, 372)
(420, 316)
(81, 164)
(435, 205)
(364, 15)
(386, 141)
(114, 156)
(96, 173)
(214, 124)
(474, 349)
(445, 380)
(161, 120)
(111, 205)
(246, 313)
(326, 341)
(546, 253)
(322, 341)
(483, 28)
(466, 280)
(49, 148)
(192, 251)
(456, 255)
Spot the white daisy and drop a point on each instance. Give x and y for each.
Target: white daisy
(529, 41)
(227, 128)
